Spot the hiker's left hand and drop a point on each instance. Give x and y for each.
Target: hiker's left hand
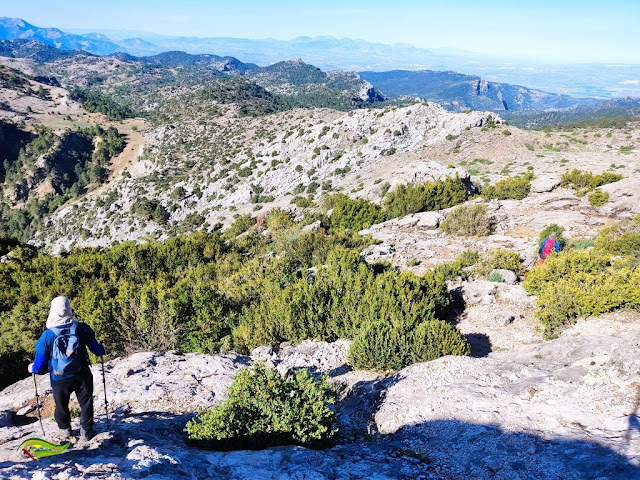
(30, 367)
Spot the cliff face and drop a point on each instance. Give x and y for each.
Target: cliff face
(458, 91)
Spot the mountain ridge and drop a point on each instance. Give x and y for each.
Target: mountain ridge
(456, 91)
(17, 28)
(330, 53)
(460, 91)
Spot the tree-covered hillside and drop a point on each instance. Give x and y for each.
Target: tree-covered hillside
(41, 170)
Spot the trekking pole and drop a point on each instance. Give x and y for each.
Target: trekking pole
(531, 263)
(104, 384)
(35, 387)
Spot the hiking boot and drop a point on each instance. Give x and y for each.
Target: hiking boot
(88, 434)
(64, 434)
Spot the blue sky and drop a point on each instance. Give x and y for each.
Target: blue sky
(582, 31)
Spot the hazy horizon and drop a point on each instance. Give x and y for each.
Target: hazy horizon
(573, 32)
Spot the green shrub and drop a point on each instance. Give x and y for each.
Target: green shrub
(582, 244)
(468, 220)
(598, 198)
(496, 277)
(240, 225)
(406, 199)
(582, 283)
(435, 339)
(263, 410)
(499, 259)
(382, 345)
(583, 182)
(621, 238)
(301, 250)
(515, 188)
(302, 202)
(279, 219)
(345, 293)
(354, 214)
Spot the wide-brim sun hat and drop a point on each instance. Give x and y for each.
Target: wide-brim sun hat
(60, 312)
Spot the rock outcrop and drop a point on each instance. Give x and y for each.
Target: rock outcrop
(566, 408)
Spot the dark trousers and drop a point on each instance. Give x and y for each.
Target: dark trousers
(82, 385)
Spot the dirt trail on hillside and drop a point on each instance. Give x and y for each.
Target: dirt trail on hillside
(133, 149)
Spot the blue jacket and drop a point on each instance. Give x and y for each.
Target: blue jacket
(556, 246)
(44, 346)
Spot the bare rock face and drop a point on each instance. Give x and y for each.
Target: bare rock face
(416, 221)
(580, 386)
(508, 277)
(545, 183)
(566, 408)
(170, 382)
(624, 198)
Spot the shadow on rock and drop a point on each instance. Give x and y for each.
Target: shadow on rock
(357, 406)
(457, 306)
(486, 451)
(151, 444)
(480, 344)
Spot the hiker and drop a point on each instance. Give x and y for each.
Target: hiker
(62, 350)
(547, 247)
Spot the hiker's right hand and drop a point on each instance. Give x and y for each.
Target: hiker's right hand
(30, 368)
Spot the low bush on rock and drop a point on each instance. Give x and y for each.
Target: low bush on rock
(499, 259)
(382, 345)
(263, 409)
(468, 220)
(515, 188)
(583, 182)
(459, 267)
(344, 294)
(355, 214)
(598, 198)
(406, 199)
(621, 238)
(496, 277)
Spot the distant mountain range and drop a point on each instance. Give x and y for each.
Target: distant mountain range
(16, 28)
(605, 113)
(310, 86)
(329, 53)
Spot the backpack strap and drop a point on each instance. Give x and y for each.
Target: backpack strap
(67, 326)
